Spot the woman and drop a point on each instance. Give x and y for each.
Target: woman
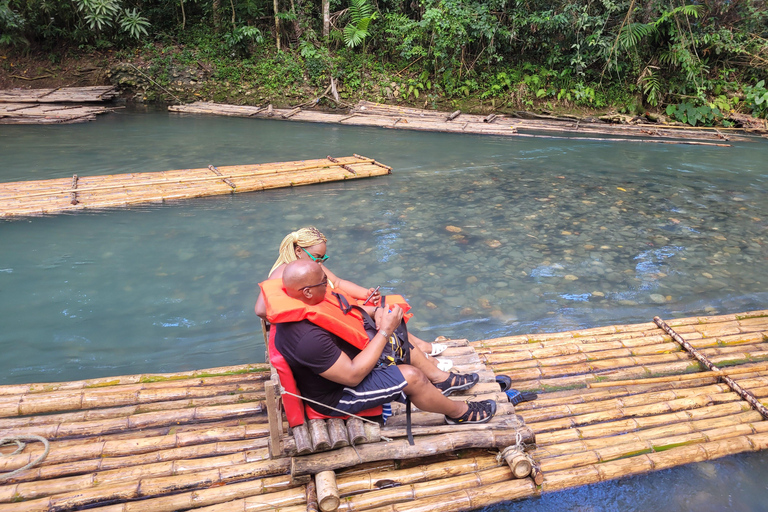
(310, 243)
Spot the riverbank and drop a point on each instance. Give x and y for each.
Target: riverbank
(175, 75)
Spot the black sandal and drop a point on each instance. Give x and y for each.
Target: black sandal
(457, 382)
(477, 412)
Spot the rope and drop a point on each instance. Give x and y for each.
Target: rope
(19, 442)
(345, 413)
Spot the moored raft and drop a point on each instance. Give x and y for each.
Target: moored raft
(81, 192)
(613, 401)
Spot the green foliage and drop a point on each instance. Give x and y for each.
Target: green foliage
(240, 38)
(756, 98)
(361, 15)
(693, 115)
(11, 26)
(134, 23)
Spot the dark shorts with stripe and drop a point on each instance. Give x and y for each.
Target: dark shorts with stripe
(381, 386)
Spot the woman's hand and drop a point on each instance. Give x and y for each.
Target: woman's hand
(373, 296)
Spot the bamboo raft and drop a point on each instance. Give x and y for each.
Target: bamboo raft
(403, 118)
(54, 106)
(78, 193)
(92, 94)
(613, 402)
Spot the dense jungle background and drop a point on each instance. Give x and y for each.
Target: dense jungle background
(697, 63)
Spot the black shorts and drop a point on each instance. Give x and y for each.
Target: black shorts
(381, 386)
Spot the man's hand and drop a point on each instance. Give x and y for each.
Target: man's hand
(389, 319)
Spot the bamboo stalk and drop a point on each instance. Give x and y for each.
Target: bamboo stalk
(624, 425)
(689, 376)
(179, 479)
(428, 445)
(111, 398)
(716, 392)
(746, 395)
(284, 501)
(357, 482)
(245, 372)
(138, 421)
(327, 492)
(747, 422)
(107, 452)
(83, 475)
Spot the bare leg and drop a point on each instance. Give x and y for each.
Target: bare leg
(425, 346)
(427, 397)
(428, 366)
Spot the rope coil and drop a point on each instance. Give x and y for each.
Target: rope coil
(20, 443)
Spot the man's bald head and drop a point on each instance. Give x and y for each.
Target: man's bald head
(305, 280)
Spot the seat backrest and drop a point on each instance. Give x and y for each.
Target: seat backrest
(294, 407)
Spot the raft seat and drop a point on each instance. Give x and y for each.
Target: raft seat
(310, 430)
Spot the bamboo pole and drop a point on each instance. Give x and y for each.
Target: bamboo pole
(689, 376)
(327, 492)
(292, 500)
(245, 372)
(141, 486)
(746, 395)
(715, 392)
(24, 405)
(107, 452)
(358, 482)
(128, 410)
(138, 421)
(427, 445)
(625, 425)
(83, 475)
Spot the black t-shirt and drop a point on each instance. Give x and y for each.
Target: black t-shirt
(309, 351)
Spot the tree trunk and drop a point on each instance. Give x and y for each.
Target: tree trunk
(326, 18)
(277, 25)
(216, 16)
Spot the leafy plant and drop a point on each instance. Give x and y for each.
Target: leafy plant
(134, 23)
(239, 38)
(99, 14)
(756, 97)
(361, 15)
(693, 115)
(11, 26)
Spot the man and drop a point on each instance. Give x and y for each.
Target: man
(336, 363)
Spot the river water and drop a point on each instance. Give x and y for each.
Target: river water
(486, 236)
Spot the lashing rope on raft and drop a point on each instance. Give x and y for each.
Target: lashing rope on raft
(345, 413)
(19, 441)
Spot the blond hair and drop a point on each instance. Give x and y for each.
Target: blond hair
(304, 237)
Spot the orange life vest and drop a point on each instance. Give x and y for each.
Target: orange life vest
(327, 314)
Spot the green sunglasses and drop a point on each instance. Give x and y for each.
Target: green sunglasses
(316, 260)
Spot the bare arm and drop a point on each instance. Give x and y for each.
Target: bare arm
(261, 306)
(350, 372)
(353, 290)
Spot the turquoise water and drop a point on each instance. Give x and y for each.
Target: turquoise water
(486, 236)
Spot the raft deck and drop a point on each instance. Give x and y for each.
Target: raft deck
(371, 114)
(200, 440)
(54, 106)
(88, 192)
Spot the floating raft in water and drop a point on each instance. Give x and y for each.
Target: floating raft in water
(367, 113)
(201, 440)
(59, 95)
(53, 106)
(78, 193)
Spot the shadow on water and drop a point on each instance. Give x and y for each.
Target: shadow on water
(485, 236)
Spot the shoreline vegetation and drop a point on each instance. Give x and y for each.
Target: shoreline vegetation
(701, 64)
